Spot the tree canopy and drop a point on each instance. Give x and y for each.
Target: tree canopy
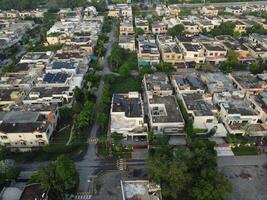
(59, 177)
(176, 30)
(188, 172)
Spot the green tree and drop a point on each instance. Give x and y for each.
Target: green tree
(138, 31)
(226, 28)
(78, 94)
(257, 28)
(176, 30)
(165, 67)
(213, 187)
(102, 120)
(256, 68)
(85, 118)
(124, 70)
(60, 178)
(117, 56)
(66, 174)
(173, 175)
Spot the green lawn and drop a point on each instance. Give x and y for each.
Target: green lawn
(245, 151)
(123, 85)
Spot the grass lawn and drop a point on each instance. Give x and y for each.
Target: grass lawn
(124, 85)
(245, 151)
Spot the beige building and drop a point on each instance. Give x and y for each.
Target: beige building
(127, 42)
(169, 50)
(126, 27)
(240, 27)
(209, 11)
(214, 53)
(191, 27)
(159, 27)
(143, 24)
(24, 130)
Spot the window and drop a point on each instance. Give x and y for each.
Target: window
(209, 120)
(3, 137)
(39, 136)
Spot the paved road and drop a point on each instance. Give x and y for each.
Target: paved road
(242, 160)
(90, 158)
(225, 4)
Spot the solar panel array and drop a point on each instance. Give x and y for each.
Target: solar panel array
(56, 78)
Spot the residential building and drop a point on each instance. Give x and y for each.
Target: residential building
(127, 116)
(205, 25)
(127, 42)
(258, 39)
(240, 27)
(63, 66)
(200, 108)
(236, 10)
(143, 24)
(214, 53)
(148, 51)
(162, 109)
(159, 27)
(37, 57)
(162, 10)
(217, 82)
(25, 130)
(118, 10)
(11, 95)
(174, 10)
(187, 81)
(169, 49)
(247, 82)
(157, 84)
(209, 11)
(259, 103)
(126, 27)
(140, 189)
(49, 95)
(192, 52)
(165, 116)
(232, 44)
(191, 27)
(239, 117)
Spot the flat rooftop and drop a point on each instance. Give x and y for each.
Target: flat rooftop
(189, 80)
(131, 105)
(239, 107)
(25, 127)
(140, 190)
(42, 92)
(165, 109)
(68, 55)
(65, 65)
(192, 47)
(126, 39)
(248, 80)
(56, 77)
(214, 47)
(217, 82)
(157, 81)
(37, 55)
(195, 102)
